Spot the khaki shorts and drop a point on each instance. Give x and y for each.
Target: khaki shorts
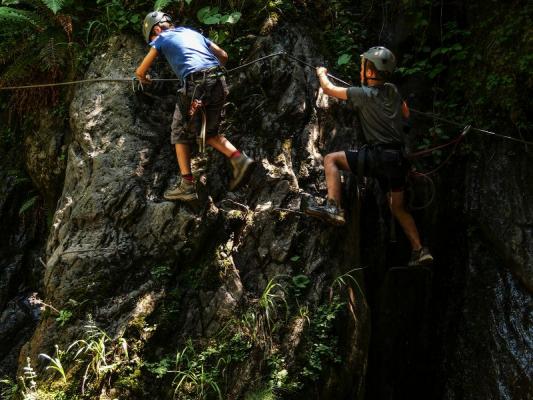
(212, 92)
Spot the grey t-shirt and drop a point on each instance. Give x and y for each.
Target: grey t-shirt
(380, 112)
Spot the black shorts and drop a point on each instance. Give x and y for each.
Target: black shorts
(388, 166)
(212, 92)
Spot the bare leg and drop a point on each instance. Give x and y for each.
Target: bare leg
(333, 164)
(183, 153)
(404, 218)
(221, 144)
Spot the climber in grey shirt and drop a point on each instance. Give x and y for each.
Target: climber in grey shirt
(382, 113)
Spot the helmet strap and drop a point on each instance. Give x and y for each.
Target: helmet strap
(365, 80)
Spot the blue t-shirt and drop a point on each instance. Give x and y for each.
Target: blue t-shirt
(186, 50)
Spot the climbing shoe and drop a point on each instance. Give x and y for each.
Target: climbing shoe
(184, 191)
(242, 167)
(420, 257)
(330, 213)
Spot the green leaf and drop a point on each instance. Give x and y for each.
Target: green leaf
(14, 16)
(27, 205)
(301, 281)
(295, 258)
(436, 52)
(160, 4)
(203, 12)
(207, 12)
(188, 2)
(220, 36)
(231, 18)
(437, 70)
(344, 59)
(212, 19)
(64, 317)
(54, 5)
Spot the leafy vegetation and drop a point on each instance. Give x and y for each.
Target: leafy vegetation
(63, 317)
(97, 354)
(55, 362)
(476, 71)
(198, 374)
(323, 341)
(472, 71)
(100, 354)
(345, 37)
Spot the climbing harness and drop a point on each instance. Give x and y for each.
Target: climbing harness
(198, 104)
(201, 139)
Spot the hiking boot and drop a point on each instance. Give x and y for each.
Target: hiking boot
(242, 167)
(330, 213)
(184, 191)
(420, 257)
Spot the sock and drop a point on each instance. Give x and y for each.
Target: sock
(188, 177)
(236, 153)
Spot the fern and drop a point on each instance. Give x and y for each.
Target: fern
(28, 204)
(24, 54)
(20, 69)
(54, 5)
(52, 55)
(160, 4)
(11, 16)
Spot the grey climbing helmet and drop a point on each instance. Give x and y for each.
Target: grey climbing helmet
(382, 58)
(152, 19)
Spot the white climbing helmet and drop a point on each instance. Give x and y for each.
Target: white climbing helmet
(382, 58)
(152, 19)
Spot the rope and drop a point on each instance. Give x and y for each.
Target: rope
(95, 80)
(412, 193)
(449, 121)
(430, 150)
(426, 114)
(279, 53)
(290, 56)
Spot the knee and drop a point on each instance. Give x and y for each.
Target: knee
(330, 160)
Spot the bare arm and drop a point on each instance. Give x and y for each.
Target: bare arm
(329, 88)
(219, 53)
(142, 69)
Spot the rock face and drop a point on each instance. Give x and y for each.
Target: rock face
(112, 230)
(249, 265)
(22, 228)
(488, 329)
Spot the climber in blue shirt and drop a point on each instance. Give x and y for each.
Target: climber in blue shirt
(197, 61)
